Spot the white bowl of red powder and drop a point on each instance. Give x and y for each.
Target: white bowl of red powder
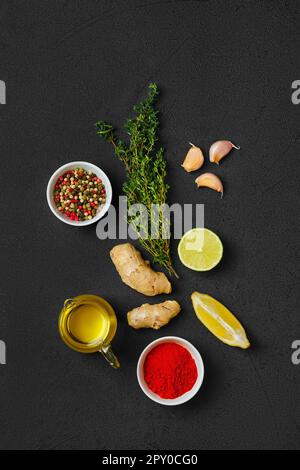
(170, 371)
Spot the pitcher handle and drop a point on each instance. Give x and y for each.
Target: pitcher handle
(110, 357)
(69, 303)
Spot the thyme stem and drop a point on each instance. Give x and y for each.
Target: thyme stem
(146, 172)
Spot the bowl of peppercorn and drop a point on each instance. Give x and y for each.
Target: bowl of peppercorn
(79, 193)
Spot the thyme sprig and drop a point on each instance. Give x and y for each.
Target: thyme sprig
(146, 175)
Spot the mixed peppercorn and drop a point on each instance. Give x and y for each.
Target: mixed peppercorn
(79, 194)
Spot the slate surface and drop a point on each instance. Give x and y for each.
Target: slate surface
(225, 71)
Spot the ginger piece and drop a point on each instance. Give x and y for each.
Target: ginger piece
(137, 273)
(153, 316)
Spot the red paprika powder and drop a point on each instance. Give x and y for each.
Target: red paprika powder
(170, 370)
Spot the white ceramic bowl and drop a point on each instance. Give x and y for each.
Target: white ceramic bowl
(186, 396)
(86, 166)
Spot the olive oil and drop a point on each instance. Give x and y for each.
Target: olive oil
(87, 323)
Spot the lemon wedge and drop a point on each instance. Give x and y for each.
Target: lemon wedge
(200, 249)
(219, 321)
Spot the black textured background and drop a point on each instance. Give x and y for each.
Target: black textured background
(225, 70)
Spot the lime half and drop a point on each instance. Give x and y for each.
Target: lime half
(200, 249)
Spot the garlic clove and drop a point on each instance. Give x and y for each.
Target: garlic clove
(220, 149)
(208, 180)
(194, 159)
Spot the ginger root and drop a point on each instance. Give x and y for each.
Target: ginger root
(153, 316)
(137, 273)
